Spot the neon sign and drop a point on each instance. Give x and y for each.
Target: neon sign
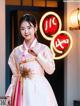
(61, 41)
(61, 44)
(50, 24)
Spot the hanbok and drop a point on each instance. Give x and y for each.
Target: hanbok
(31, 89)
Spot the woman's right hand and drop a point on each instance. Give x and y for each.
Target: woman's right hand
(8, 101)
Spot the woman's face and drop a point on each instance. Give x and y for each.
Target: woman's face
(27, 30)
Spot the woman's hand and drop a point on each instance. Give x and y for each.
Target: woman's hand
(8, 101)
(34, 51)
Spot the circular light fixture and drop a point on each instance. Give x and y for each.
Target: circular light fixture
(75, 19)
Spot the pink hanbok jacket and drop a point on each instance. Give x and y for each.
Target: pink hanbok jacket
(42, 63)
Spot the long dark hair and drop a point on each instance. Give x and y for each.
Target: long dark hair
(29, 18)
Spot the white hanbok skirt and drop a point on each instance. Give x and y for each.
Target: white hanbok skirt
(38, 92)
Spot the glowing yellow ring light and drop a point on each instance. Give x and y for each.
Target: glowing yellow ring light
(41, 23)
(53, 46)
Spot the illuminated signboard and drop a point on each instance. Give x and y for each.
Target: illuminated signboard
(50, 24)
(61, 41)
(61, 44)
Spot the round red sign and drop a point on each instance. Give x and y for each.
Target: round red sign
(50, 24)
(61, 44)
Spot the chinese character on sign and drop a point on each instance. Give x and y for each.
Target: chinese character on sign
(50, 25)
(62, 42)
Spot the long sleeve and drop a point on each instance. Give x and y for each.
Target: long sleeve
(45, 58)
(12, 65)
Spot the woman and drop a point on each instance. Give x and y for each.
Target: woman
(29, 62)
